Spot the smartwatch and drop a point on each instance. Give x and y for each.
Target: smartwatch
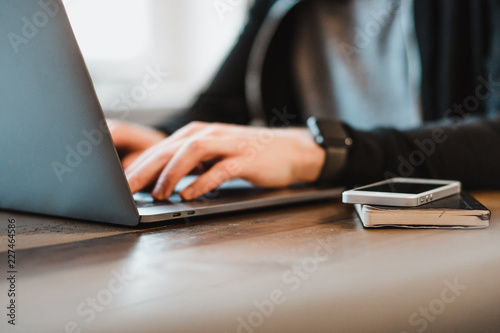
(333, 137)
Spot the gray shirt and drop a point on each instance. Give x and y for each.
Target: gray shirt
(358, 61)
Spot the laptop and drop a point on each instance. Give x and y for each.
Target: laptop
(58, 157)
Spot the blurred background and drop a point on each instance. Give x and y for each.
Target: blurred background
(124, 41)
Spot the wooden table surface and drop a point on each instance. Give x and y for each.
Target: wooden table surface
(305, 268)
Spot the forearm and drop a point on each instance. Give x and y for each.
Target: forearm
(468, 151)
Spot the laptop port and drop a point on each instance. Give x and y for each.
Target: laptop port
(176, 214)
(191, 212)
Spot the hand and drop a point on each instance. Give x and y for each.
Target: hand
(265, 157)
(131, 140)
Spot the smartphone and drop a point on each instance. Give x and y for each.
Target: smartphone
(405, 192)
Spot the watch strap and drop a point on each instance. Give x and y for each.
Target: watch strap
(335, 140)
(335, 162)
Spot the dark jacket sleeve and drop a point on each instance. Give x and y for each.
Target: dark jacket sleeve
(467, 150)
(224, 100)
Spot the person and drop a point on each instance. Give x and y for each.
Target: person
(415, 87)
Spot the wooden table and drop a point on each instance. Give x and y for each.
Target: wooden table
(306, 268)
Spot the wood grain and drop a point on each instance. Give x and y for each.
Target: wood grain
(223, 274)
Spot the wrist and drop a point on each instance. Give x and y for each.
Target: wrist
(309, 157)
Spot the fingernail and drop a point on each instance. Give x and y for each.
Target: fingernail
(187, 194)
(158, 191)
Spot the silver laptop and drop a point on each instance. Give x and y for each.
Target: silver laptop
(57, 157)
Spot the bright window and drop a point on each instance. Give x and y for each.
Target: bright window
(124, 40)
(111, 29)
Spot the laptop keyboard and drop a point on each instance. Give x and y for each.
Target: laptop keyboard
(144, 199)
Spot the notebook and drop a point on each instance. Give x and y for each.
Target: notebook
(458, 211)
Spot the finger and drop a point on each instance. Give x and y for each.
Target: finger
(154, 152)
(128, 159)
(147, 167)
(189, 129)
(217, 175)
(192, 130)
(207, 129)
(187, 158)
(172, 143)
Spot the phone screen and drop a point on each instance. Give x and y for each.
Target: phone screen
(398, 187)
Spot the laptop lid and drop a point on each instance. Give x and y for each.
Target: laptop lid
(57, 155)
